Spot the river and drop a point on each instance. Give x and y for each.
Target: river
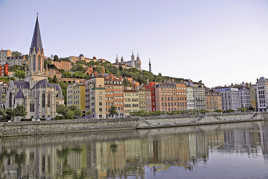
(236, 151)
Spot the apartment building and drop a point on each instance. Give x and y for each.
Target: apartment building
(76, 96)
(190, 98)
(95, 97)
(214, 100)
(170, 97)
(199, 92)
(131, 101)
(145, 102)
(244, 93)
(230, 98)
(114, 94)
(262, 94)
(151, 88)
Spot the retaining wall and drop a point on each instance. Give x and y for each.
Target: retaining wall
(73, 126)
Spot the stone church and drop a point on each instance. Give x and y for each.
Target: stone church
(132, 63)
(35, 93)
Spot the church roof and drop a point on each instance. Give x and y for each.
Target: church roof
(22, 84)
(36, 40)
(19, 94)
(42, 84)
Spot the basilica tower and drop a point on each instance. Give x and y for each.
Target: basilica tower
(36, 54)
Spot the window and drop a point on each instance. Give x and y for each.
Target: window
(34, 62)
(39, 63)
(43, 100)
(48, 99)
(31, 107)
(10, 100)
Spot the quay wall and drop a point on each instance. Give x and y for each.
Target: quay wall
(9, 129)
(63, 126)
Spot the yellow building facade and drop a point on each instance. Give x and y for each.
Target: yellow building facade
(76, 96)
(131, 101)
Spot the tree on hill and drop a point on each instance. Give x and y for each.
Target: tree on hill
(56, 58)
(20, 74)
(78, 67)
(16, 54)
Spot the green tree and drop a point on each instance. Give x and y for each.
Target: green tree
(77, 112)
(88, 113)
(66, 74)
(78, 68)
(20, 74)
(112, 111)
(10, 113)
(55, 80)
(20, 111)
(61, 109)
(69, 114)
(16, 54)
(56, 58)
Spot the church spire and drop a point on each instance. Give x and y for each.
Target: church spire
(36, 40)
(36, 55)
(150, 66)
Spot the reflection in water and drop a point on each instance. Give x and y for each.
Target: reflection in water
(143, 155)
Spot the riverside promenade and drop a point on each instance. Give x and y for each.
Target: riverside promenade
(10, 129)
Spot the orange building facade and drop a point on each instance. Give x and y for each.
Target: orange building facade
(114, 94)
(4, 70)
(63, 65)
(170, 97)
(214, 100)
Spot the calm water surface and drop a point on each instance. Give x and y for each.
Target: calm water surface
(237, 151)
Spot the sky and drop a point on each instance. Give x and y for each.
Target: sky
(217, 41)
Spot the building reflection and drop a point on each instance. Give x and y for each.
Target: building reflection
(128, 157)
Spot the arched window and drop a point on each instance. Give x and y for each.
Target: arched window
(39, 63)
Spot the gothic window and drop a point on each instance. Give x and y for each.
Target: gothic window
(39, 62)
(43, 100)
(31, 107)
(48, 99)
(10, 100)
(34, 62)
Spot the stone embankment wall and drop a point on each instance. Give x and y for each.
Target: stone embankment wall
(63, 126)
(74, 126)
(68, 139)
(150, 123)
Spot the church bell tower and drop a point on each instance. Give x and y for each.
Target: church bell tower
(36, 54)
